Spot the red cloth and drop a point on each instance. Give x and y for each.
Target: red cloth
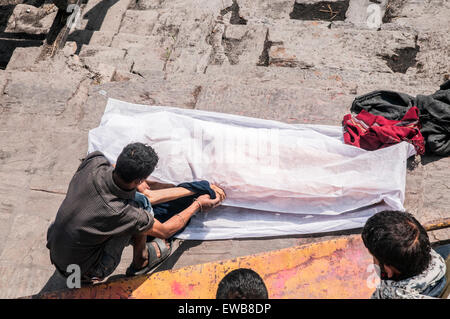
(372, 132)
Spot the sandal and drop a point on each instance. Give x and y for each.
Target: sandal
(153, 260)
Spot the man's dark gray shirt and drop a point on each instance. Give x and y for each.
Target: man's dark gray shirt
(95, 209)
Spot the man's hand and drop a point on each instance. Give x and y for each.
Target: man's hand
(219, 192)
(207, 203)
(142, 187)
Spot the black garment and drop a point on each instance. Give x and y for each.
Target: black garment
(165, 211)
(94, 211)
(434, 113)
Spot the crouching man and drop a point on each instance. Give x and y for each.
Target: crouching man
(409, 267)
(103, 213)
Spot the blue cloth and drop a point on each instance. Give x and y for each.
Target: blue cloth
(165, 211)
(436, 290)
(143, 202)
(443, 250)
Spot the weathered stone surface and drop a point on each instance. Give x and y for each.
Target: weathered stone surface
(145, 63)
(53, 171)
(104, 60)
(39, 93)
(23, 58)
(339, 47)
(8, 46)
(139, 22)
(18, 280)
(437, 175)
(192, 43)
(145, 54)
(256, 12)
(433, 57)
(104, 15)
(32, 20)
(243, 45)
(293, 104)
(147, 4)
(101, 38)
(422, 15)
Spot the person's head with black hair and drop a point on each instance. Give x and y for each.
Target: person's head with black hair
(399, 244)
(242, 283)
(135, 163)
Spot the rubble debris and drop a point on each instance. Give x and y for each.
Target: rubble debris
(392, 10)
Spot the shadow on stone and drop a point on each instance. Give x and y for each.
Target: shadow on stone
(235, 16)
(402, 60)
(324, 10)
(95, 18)
(7, 48)
(55, 282)
(428, 158)
(412, 163)
(170, 262)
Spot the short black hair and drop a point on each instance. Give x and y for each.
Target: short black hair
(397, 239)
(242, 283)
(136, 161)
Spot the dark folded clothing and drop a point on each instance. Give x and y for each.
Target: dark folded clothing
(434, 113)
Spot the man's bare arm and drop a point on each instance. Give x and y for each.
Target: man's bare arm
(170, 227)
(166, 195)
(178, 221)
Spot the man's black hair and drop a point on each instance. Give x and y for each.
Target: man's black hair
(242, 283)
(136, 161)
(397, 239)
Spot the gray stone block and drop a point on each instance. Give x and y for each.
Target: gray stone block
(23, 58)
(139, 22)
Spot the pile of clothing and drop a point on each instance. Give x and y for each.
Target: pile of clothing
(387, 117)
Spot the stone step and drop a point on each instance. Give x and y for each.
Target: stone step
(103, 15)
(424, 16)
(317, 45)
(126, 41)
(139, 22)
(44, 93)
(146, 53)
(253, 97)
(89, 37)
(349, 80)
(293, 43)
(263, 11)
(105, 60)
(105, 52)
(31, 19)
(23, 58)
(289, 104)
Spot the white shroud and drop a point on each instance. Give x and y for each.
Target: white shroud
(279, 178)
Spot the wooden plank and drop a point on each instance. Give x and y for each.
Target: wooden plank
(329, 269)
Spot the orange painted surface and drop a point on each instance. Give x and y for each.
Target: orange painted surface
(329, 269)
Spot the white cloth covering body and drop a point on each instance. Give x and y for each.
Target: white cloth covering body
(280, 178)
